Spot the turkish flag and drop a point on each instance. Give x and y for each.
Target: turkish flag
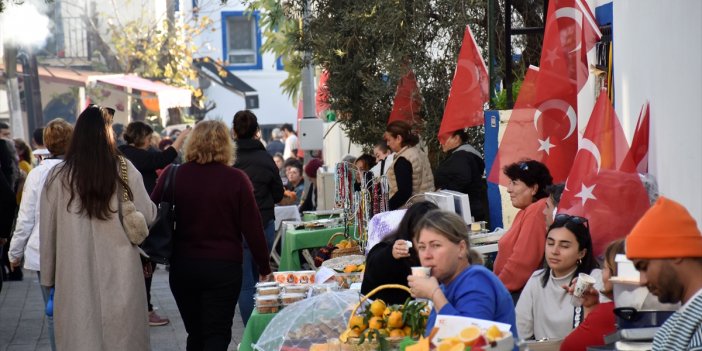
(639, 144)
(408, 100)
(322, 96)
(544, 123)
(602, 185)
(578, 32)
(469, 90)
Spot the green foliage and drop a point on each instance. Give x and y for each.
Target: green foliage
(500, 99)
(367, 46)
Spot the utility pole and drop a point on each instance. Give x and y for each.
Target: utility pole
(13, 96)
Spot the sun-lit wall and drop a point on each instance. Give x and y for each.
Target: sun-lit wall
(658, 57)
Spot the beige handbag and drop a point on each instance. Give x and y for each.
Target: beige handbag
(133, 221)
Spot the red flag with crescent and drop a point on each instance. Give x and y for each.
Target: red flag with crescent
(408, 100)
(578, 34)
(543, 125)
(469, 90)
(603, 185)
(639, 144)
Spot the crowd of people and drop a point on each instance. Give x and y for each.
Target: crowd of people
(61, 208)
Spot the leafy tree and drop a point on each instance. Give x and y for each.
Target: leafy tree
(367, 46)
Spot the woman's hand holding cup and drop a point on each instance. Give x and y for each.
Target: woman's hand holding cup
(400, 249)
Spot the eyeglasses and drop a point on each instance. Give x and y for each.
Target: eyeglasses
(562, 218)
(524, 166)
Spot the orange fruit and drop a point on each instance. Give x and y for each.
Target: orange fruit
(350, 268)
(395, 319)
(407, 330)
(377, 308)
(450, 344)
(356, 323)
(376, 323)
(469, 335)
(397, 333)
(493, 333)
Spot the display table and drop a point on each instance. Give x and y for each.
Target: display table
(296, 240)
(254, 328)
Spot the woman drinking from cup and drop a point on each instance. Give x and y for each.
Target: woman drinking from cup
(545, 309)
(599, 315)
(455, 286)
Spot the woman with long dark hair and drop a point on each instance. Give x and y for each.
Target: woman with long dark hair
(544, 309)
(390, 261)
(86, 255)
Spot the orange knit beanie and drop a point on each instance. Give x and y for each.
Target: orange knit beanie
(666, 230)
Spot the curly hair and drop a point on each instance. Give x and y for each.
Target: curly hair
(57, 136)
(210, 142)
(531, 173)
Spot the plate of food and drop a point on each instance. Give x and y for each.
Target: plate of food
(339, 263)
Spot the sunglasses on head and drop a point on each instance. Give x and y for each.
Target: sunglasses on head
(109, 110)
(562, 217)
(524, 166)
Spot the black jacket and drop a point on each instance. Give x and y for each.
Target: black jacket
(463, 171)
(148, 161)
(382, 268)
(253, 159)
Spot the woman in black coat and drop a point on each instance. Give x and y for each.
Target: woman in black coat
(254, 160)
(391, 260)
(463, 171)
(147, 161)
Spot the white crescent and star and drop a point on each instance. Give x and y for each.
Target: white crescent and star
(576, 15)
(556, 104)
(586, 193)
(588, 145)
(545, 145)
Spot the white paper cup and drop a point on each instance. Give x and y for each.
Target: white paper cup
(583, 283)
(420, 271)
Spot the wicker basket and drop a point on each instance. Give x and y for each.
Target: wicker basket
(373, 345)
(356, 250)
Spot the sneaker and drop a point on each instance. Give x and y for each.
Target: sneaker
(156, 320)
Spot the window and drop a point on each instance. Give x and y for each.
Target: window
(241, 40)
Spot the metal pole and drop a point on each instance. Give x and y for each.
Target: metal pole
(491, 48)
(508, 52)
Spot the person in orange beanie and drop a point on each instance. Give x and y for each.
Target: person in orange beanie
(666, 248)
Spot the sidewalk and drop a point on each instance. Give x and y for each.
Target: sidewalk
(23, 328)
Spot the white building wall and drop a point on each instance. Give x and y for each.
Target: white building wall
(657, 57)
(274, 106)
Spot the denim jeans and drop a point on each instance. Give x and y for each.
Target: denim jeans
(45, 292)
(250, 274)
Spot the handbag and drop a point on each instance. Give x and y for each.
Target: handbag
(133, 221)
(159, 244)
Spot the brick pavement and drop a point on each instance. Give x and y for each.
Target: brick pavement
(23, 328)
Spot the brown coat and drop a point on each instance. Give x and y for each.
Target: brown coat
(100, 299)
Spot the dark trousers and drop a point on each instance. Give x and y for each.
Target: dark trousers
(147, 282)
(206, 292)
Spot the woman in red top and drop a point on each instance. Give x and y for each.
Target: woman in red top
(521, 249)
(599, 317)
